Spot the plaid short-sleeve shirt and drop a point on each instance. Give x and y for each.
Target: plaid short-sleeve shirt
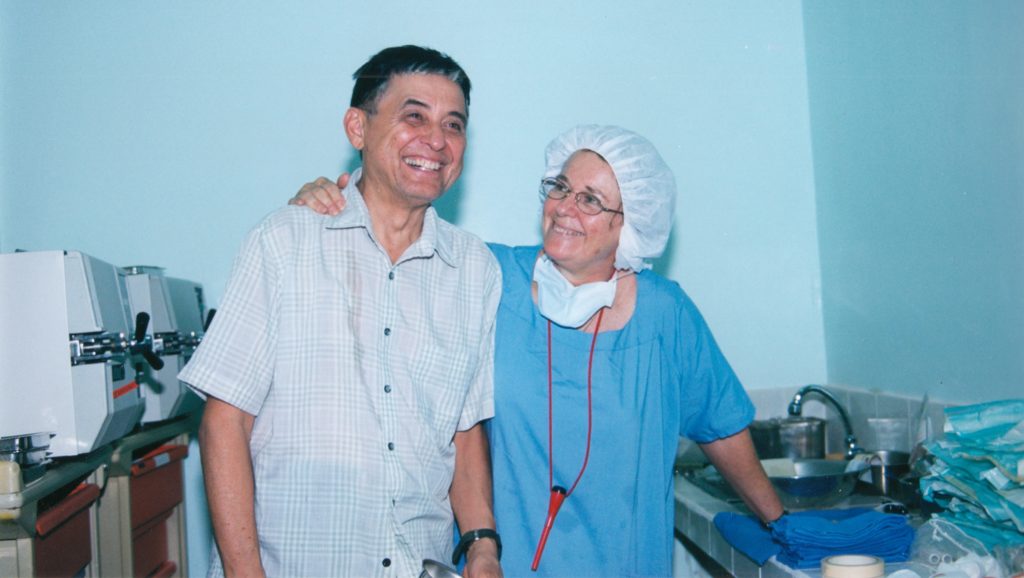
(359, 373)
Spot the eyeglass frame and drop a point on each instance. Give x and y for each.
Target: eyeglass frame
(557, 184)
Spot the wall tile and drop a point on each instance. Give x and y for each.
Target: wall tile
(682, 517)
(769, 402)
(937, 417)
(886, 433)
(889, 405)
(700, 531)
(719, 549)
(772, 571)
(743, 567)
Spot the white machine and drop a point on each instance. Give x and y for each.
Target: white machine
(176, 310)
(66, 351)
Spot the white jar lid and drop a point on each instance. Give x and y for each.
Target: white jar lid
(852, 566)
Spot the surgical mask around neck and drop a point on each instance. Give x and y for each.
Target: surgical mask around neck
(564, 303)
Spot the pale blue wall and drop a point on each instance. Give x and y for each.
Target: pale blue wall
(159, 132)
(917, 109)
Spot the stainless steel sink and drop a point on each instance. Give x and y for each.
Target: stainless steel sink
(807, 483)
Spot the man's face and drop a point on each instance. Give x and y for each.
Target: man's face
(413, 144)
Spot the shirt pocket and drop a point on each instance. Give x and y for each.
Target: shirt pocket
(443, 374)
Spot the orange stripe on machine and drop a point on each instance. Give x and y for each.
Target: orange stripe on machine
(125, 389)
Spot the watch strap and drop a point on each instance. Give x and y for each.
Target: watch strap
(472, 536)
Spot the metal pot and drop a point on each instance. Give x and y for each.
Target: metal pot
(887, 467)
(435, 569)
(792, 437)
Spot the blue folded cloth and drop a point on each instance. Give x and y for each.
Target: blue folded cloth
(802, 539)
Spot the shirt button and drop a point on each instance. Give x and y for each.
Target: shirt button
(391, 275)
(387, 331)
(391, 445)
(387, 389)
(386, 562)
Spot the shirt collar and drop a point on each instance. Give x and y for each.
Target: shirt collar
(435, 238)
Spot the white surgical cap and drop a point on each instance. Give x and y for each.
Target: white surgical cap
(647, 185)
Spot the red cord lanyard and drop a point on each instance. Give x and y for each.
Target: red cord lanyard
(558, 493)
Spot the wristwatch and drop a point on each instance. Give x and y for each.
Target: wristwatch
(770, 525)
(471, 536)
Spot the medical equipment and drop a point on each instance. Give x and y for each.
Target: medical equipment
(176, 307)
(66, 351)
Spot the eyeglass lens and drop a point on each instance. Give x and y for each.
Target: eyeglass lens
(585, 202)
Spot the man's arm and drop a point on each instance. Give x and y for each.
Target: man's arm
(472, 499)
(227, 468)
(734, 457)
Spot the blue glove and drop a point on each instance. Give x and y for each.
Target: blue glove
(748, 535)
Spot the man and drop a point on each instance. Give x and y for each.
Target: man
(350, 363)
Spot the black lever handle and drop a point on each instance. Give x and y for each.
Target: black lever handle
(141, 324)
(143, 345)
(153, 359)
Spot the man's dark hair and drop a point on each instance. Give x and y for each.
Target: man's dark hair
(372, 77)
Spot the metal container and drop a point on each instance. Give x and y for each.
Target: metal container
(28, 450)
(887, 467)
(435, 569)
(812, 483)
(791, 437)
(818, 483)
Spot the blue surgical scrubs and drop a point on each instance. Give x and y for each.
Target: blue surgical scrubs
(659, 377)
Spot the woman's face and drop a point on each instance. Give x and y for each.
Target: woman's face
(583, 246)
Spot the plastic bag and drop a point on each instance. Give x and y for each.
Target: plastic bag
(939, 541)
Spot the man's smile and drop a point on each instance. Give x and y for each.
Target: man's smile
(422, 163)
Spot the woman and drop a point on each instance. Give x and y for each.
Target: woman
(600, 366)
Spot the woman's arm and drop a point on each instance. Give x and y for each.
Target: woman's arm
(734, 457)
(322, 195)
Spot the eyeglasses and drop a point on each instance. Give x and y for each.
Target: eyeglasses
(587, 203)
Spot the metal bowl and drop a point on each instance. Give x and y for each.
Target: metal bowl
(435, 569)
(815, 483)
(818, 482)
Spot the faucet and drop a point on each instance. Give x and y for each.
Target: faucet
(796, 406)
